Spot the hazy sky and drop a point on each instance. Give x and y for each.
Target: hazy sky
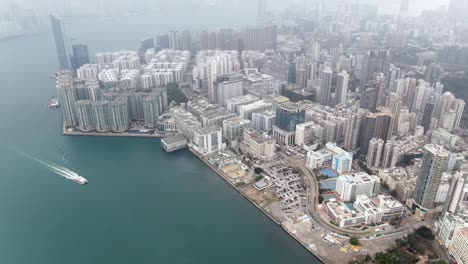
(386, 6)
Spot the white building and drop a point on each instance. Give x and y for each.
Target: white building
(88, 71)
(246, 111)
(257, 145)
(458, 248)
(350, 186)
(308, 133)
(263, 121)
(341, 160)
(233, 104)
(446, 227)
(233, 129)
(207, 140)
(379, 209)
(211, 63)
(316, 159)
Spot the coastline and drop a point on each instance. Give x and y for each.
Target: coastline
(112, 134)
(239, 190)
(219, 172)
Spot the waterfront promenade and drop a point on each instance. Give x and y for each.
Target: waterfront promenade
(66, 132)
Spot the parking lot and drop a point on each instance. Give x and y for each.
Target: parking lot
(289, 188)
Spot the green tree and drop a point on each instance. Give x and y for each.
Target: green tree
(386, 258)
(174, 93)
(425, 232)
(354, 241)
(259, 177)
(258, 170)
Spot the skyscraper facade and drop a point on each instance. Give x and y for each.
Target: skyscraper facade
(67, 97)
(119, 115)
(341, 88)
(61, 42)
(101, 116)
(326, 77)
(433, 165)
(174, 40)
(84, 114)
(288, 115)
(163, 41)
(80, 56)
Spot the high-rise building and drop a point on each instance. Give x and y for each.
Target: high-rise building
(374, 153)
(404, 8)
(119, 115)
(341, 88)
(204, 40)
(151, 110)
(228, 86)
(163, 41)
(146, 44)
(67, 97)
(80, 56)
(433, 164)
(374, 62)
(352, 130)
(271, 37)
(94, 90)
(427, 116)
(263, 121)
(84, 114)
(288, 115)
(186, 40)
(261, 38)
(326, 76)
(459, 107)
(390, 155)
(174, 40)
(61, 42)
(101, 116)
(375, 126)
(255, 38)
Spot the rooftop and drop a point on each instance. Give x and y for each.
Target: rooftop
(174, 139)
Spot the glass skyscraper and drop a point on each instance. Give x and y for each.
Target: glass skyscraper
(80, 56)
(61, 43)
(288, 115)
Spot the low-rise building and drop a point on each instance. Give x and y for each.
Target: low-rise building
(216, 117)
(341, 215)
(341, 160)
(379, 209)
(174, 143)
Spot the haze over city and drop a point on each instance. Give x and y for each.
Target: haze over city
(243, 131)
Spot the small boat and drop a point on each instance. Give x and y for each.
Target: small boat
(80, 180)
(54, 103)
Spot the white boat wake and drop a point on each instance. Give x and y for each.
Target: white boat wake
(57, 169)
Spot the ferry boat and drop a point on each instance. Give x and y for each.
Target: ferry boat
(54, 103)
(80, 180)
